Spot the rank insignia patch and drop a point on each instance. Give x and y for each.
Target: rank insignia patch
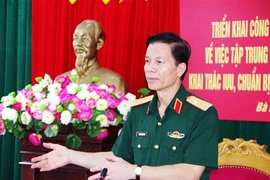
(176, 135)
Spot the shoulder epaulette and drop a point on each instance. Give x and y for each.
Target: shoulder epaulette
(141, 100)
(199, 103)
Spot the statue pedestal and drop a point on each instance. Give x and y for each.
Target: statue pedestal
(69, 172)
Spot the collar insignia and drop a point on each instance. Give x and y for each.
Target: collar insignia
(177, 105)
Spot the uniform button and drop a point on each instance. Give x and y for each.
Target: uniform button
(139, 146)
(159, 123)
(156, 146)
(174, 148)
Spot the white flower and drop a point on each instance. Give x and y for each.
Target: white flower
(131, 97)
(43, 83)
(26, 118)
(48, 78)
(37, 88)
(71, 107)
(102, 105)
(20, 98)
(35, 106)
(48, 117)
(84, 86)
(53, 98)
(73, 72)
(103, 86)
(7, 100)
(83, 94)
(65, 117)
(124, 107)
(93, 95)
(38, 95)
(52, 107)
(103, 120)
(54, 88)
(71, 88)
(10, 114)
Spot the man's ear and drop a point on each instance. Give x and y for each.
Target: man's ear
(100, 43)
(181, 69)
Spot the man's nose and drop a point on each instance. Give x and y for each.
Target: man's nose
(78, 42)
(150, 67)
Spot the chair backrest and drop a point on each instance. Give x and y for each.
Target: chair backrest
(240, 159)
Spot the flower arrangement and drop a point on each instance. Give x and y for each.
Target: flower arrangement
(47, 105)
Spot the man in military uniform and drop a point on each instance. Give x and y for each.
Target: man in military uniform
(170, 135)
(88, 39)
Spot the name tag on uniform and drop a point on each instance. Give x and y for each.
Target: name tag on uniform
(176, 135)
(141, 134)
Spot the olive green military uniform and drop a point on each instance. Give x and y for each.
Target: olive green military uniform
(187, 133)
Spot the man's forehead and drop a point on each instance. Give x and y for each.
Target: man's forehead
(85, 28)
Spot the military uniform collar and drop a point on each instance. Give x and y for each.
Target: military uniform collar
(175, 104)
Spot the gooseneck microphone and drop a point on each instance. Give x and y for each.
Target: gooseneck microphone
(103, 174)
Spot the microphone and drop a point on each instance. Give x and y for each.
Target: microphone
(103, 174)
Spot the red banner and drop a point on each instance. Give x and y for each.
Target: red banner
(229, 65)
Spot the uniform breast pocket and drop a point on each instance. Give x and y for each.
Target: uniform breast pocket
(140, 147)
(173, 149)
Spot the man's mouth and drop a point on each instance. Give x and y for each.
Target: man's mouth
(151, 79)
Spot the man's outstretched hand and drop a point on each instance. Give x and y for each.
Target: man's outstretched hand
(58, 157)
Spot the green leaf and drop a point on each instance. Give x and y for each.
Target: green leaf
(93, 128)
(8, 125)
(51, 130)
(13, 94)
(30, 125)
(28, 87)
(73, 78)
(96, 113)
(60, 109)
(42, 107)
(73, 141)
(95, 79)
(79, 125)
(118, 119)
(144, 91)
(38, 79)
(38, 125)
(18, 131)
(78, 89)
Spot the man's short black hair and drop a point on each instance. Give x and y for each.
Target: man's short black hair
(180, 48)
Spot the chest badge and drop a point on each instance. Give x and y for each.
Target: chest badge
(141, 134)
(176, 135)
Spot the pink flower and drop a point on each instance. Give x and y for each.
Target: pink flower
(85, 115)
(92, 87)
(2, 128)
(17, 106)
(26, 93)
(103, 93)
(35, 139)
(111, 115)
(64, 96)
(64, 80)
(112, 88)
(75, 99)
(81, 106)
(91, 103)
(38, 115)
(112, 102)
(103, 134)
